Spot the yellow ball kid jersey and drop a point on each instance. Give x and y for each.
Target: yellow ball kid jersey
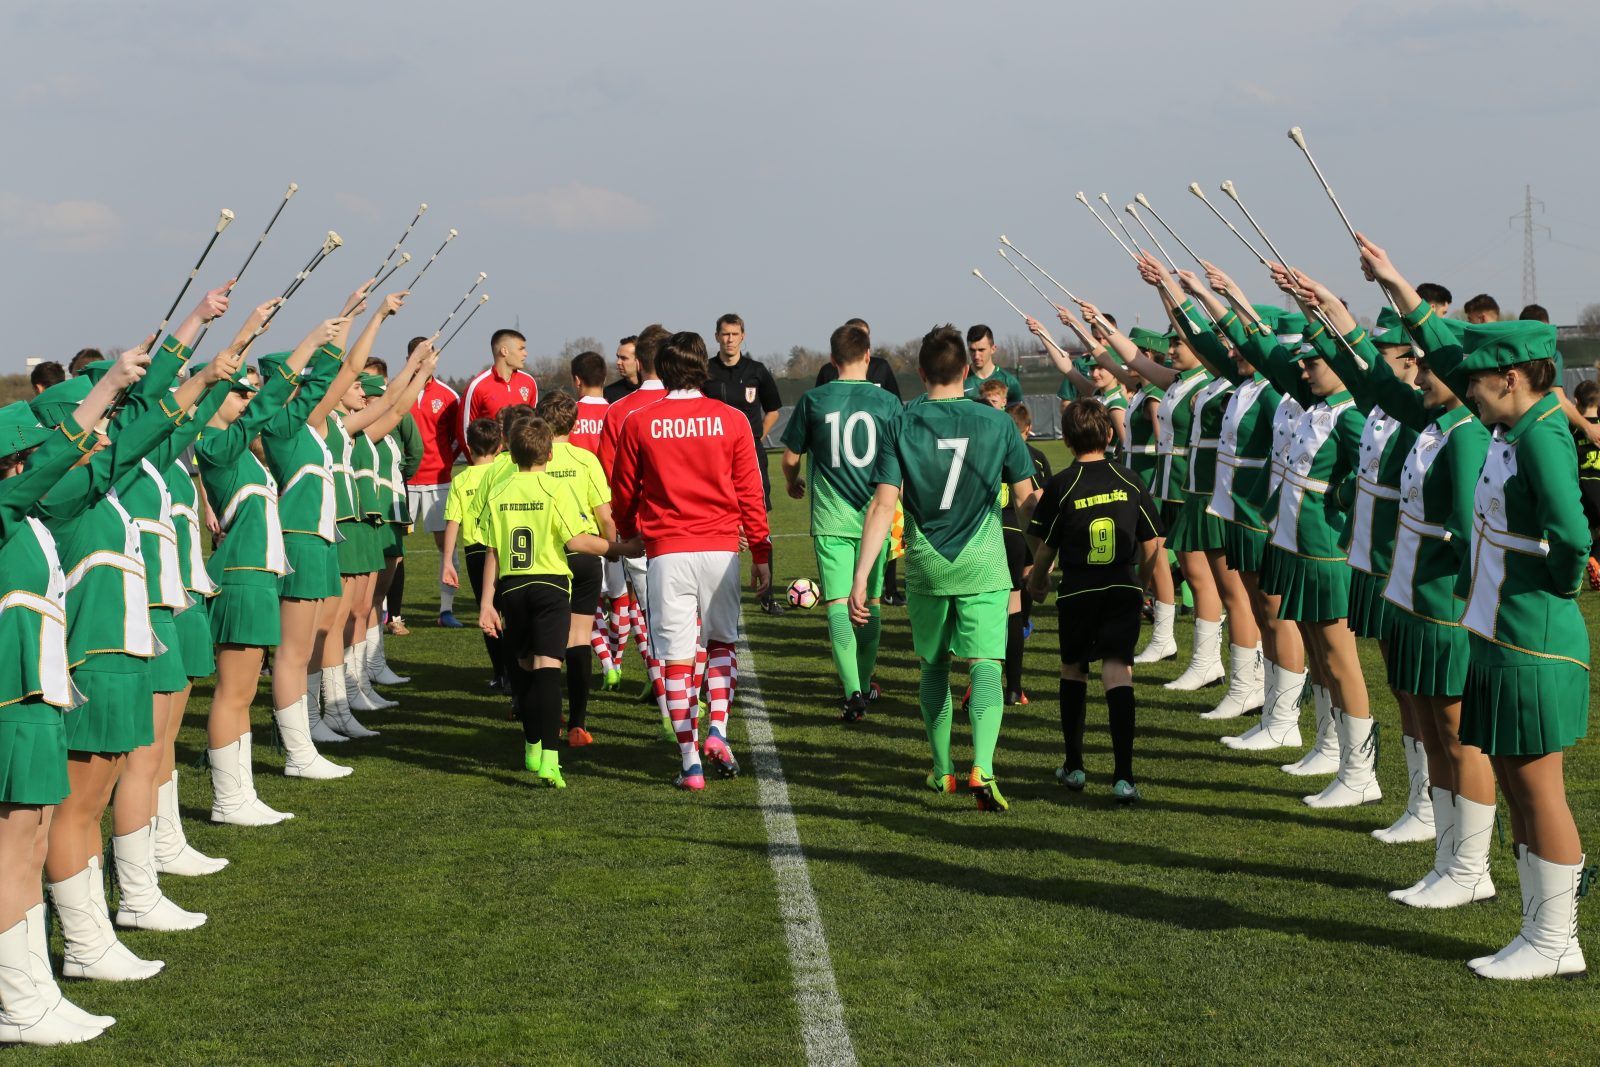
(580, 470)
(529, 519)
(464, 505)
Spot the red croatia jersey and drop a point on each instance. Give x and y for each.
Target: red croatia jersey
(611, 433)
(590, 421)
(438, 416)
(486, 395)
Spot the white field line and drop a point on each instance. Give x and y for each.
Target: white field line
(816, 993)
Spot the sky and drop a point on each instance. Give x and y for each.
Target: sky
(611, 165)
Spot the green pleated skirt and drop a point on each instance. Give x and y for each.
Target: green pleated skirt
(394, 540)
(1313, 590)
(360, 552)
(1518, 704)
(313, 568)
(1243, 547)
(245, 610)
(1195, 529)
(166, 670)
(1272, 570)
(1170, 510)
(118, 712)
(1370, 615)
(1426, 658)
(33, 753)
(194, 638)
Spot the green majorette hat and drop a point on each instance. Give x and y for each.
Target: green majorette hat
(52, 406)
(1291, 327)
(1149, 340)
(272, 361)
(1499, 345)
(1086, 365)
(1390, 332)
(20, 429)
(241, 383)
(1269, 314)
(96, 370)
(373, 384)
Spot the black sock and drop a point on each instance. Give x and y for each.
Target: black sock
(522, 701)
(546, 698)
(578, 685)
(1119, 706)
(1027, 608)
(891, 578)
(397, 590)
(1013, 653)
(1073, 697)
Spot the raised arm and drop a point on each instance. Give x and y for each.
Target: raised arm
(378, 419)
(1062, 361)
(1260, 347)
(1162, 377)
(1443, 348)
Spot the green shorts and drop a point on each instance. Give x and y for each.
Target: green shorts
(836, 567)
(967, 626)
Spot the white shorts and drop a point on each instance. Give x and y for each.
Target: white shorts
(636, 575)
(427, 506)
(687, 585)
(613, 580)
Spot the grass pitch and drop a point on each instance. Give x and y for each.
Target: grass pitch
(439, 907)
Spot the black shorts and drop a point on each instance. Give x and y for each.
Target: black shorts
(1589, 493)
(588, 573)
(1100, 624)
(535, 613)
(1016, 556)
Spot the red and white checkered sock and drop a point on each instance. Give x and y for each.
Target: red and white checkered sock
(722, 678)
(600, 642)
(699, 671)
(621, 625)
(684, 724)
(641, 635)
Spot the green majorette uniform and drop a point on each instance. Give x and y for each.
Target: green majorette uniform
(841, 426)
(369, 503)
(1240, 494)
(35, 686)
(109, 640)
(249, 562)
(194, 622)
(1310, 569)
(302, 465)
(999, 374)
(1141, 434)
(406, 443)
(1371, 494)
(1196, 530)
(352, 556)
(1527, 686)
(1176, 418)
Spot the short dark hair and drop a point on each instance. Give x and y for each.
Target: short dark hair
(509, 415)
(942, 357)
(730, 319)
(558, 409)
(1023, 418)
(1535, 313)
(84, 357)
(1434, 293)
(1541, 374)
(530, 441)
(849, 345)
(978, 333)
(376, 366)
(632, 338)
(1586, 393)
(483, 437)
(1112, 319)
(644, 348)
(861, 323)
(501, 335)
(1481, 303)
(411, 345)
(589, 368)
(1086, 426)
(681, 361)
(47, 374)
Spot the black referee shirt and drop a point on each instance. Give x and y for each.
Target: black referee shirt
(748, 386)
(1095, 515)
(879, 373)
(617, 390)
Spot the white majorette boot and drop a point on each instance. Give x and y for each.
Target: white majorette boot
(1246, 685)
(1357, 782)
(300, 756)
(336, 706)
(358, 690)
(1524, 884)
(140, 904)
(1444, 841)
(377, 663)
(39, 970)
(92, 949)
(1280, 715)
(1465, 878)
(174, 854)
(233, 790)
(1416, 822)
(1269, 693)
(321, 732)
(1205, 666)
(26, 1011)
(1323, 755)
(1162, 645)
(1548, 945)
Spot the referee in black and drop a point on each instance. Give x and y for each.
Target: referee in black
(1097, 520)
(747, 385)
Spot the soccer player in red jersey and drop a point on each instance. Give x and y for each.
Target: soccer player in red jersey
(503, 384)
(588, 381)
(686, 480)
(437, 413)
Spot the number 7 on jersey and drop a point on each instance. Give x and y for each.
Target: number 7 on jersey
(958, 445)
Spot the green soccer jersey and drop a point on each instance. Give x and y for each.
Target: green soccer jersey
(841, 426)
(998, 374)
(950, 458)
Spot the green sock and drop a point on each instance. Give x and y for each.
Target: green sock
(986, 710)
(935, 699)
(842, 636)
(867, 647)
